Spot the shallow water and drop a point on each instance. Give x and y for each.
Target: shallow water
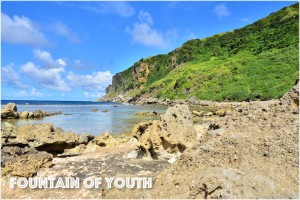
(79, 118)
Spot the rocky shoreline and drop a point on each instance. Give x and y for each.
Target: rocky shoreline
(231, 150)
(10, 112)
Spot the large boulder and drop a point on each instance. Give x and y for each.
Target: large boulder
(291, 99)
(105, 140)
(38, 114)
(23, 162)
(9, 111)
(24, 115)
(43, 137)
(169, 137)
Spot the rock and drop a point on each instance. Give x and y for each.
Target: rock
(11, 106)
(24, 115)
(251, 152)
(91, 147)
(38, 114)
(168, 137)
(105, 140)
(172, 160)
(85, 138)
(198, 113)
(209, 114)
(221, 112)
(51, 113)
(291, 99)
(30, 115)
(148, 113)
(151, 100)
(132, 154)
(106, 110)
(76, 150)
(23, 162)
(192, 100)
(43, 137)
(9, 111)
(94, 110)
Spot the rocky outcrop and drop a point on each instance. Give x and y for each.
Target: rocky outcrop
(105, 139)
(168, 137)
(10, 112)
(23, 162)
(27, 148)
(251, 152)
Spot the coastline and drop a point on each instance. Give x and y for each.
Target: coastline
(228, 138)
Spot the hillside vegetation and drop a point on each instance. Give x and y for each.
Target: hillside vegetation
(259, 61)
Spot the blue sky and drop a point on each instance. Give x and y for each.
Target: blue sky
(71, 50)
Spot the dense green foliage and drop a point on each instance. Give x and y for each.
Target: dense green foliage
(259, 61)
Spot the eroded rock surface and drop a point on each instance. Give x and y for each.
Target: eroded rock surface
(169, 137)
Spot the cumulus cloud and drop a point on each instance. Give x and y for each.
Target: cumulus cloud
(50, 78)
(93, 95)
(47, 59)
(64, 31)
(32, 93)
(121, 8)
(221, 10)
(9, 77)
(96, 81)
(142, 32)
(21, 30)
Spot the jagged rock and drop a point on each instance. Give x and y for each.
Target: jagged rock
(291, 98)
(221, 112)
(43, 137)
(209, 114)
(23, 162)
(51, 113)
(169, 137)
(91, 147)
(105, 139)
(30, 115)
(24, 115)
(9, 111)
(94, 110)
(250, 153)
(85, 138)
(11, 106)
(106, 110)
(198, 113)
(38, 114)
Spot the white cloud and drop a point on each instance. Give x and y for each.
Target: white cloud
(33, 93)
(221, 10)
(46, 58)
(143, 32)
(121, 8)
(64, 31)
(93, 95)
(96, 81)
(21, 30)
(145, 17)
(49, 78)
(10, 77)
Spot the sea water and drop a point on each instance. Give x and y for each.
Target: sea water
(77, 116)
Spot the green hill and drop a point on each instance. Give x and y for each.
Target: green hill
(259, 61)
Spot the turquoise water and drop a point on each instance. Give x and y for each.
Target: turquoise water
(79, 118)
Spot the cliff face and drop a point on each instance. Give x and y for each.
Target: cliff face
(259, 61)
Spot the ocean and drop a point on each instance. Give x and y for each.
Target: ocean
(77, 116)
